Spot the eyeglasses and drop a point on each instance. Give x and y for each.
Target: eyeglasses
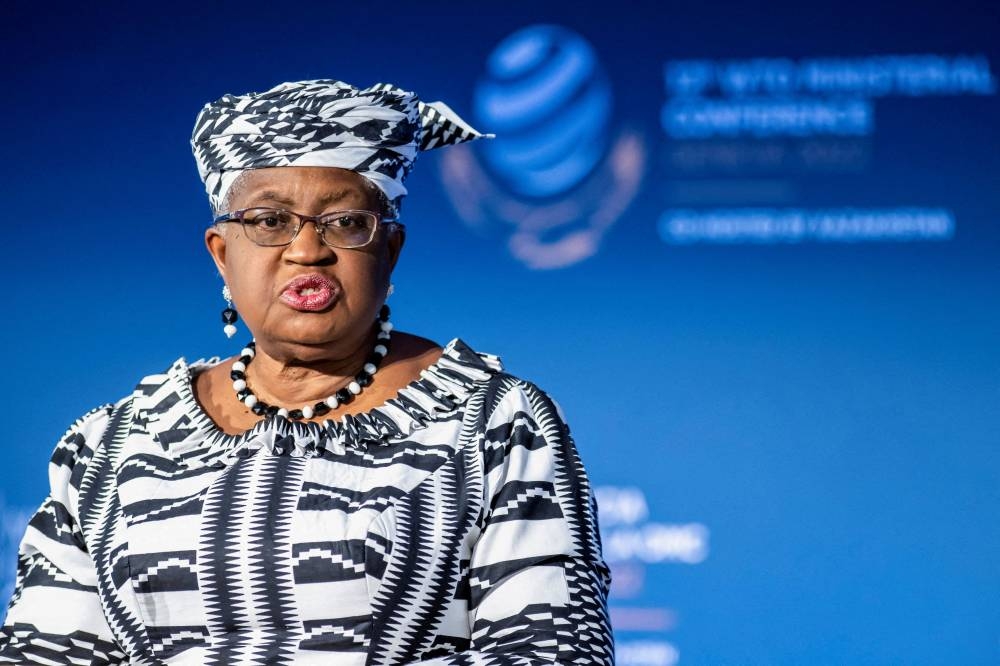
(273, 227)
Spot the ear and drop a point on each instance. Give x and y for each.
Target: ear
(394, 244)
(215, 241)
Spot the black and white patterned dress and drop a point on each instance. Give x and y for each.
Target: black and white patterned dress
(452, 525)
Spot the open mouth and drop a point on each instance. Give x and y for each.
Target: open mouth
(309, 293)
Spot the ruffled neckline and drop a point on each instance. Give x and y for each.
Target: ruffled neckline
(439, 391)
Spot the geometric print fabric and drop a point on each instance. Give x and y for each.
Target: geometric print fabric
(452, 525)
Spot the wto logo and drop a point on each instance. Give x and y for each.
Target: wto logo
(555, 179)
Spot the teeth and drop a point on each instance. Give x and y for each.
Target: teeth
(308, 291)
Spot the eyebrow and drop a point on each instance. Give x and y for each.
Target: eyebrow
(271, 195)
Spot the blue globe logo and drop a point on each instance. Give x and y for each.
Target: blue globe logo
(562, 171)
(547, 99)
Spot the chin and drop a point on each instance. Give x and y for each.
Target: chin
(308, 339)
(309, 342)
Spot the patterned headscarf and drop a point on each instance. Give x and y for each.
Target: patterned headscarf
(375, 132)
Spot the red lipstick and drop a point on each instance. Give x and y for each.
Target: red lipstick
(310, 293)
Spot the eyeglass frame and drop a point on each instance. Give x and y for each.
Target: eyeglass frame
(237, 216)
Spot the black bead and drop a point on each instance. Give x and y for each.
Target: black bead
(375, 359)
(258, 408)
(229, 316)
(344, 395)
(321, 408)
(272, 410)
(237, 374)
(383, 313)
(295, 414)
(364, 380)
(245, 359)
(243, 394)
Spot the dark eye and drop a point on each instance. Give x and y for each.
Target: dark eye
(349, 221)
(348, 228)
(268, 220)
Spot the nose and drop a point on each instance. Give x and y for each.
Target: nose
(308, 247)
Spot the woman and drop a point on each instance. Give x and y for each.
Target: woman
(337, 492)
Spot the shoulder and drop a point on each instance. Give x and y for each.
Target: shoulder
(85, 436)
(76, 448)
(82, 435)
(508, 398)
(495, 395)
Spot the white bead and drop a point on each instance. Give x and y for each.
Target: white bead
(354, 388)
(383, 335)
(381, 350)
(332, 402)
(307, 412)
(387, 326)
(230, 330)
(239, 385)
(283, 412)
(246, 351)
(250, 400)
(370, 368)
(239, 366)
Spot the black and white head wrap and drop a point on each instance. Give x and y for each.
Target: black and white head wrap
(376, 132)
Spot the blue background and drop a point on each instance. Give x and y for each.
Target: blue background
(827, 410)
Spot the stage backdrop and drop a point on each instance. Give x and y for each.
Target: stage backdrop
(752, 251)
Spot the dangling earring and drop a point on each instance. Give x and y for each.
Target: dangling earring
(389, 292)
(229, 315)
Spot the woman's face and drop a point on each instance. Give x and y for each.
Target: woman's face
(258, 276)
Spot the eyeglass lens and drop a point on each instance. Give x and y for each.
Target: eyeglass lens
(345, 229)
